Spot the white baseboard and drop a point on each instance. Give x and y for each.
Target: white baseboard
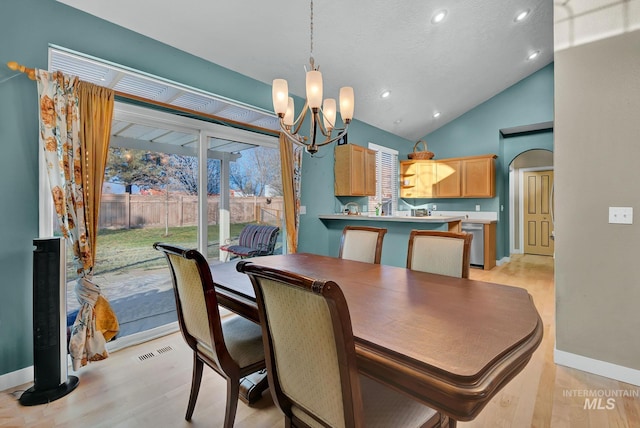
(503, 261)
(600, 368)
(18, 377)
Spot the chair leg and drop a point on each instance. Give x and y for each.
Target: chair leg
(233, 389)
(196, 378)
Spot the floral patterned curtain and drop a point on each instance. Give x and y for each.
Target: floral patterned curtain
(291, 165)
(70, 155)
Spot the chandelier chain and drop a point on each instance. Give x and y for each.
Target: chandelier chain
(323, 115)
(311, 30)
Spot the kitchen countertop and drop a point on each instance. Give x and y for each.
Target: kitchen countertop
(403, 219)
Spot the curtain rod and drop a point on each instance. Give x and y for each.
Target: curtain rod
(31, 73)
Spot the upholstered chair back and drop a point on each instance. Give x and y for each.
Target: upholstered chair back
(301, 331)
(444, 253)
(231, 346)
(309, 346)
(362, 244)
(190, 298)
(311, 357)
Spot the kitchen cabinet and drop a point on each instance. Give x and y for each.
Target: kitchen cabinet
(448, 178)
(417, 179)
(464, 177)
(489, 245)
(479, 177)
(354, 171)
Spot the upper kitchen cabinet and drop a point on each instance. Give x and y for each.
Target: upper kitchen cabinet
(466, 177)
(448, 178)
(479, 177)
(354, 171)
(417, 179)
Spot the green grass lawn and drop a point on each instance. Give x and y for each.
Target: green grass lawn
(133, 248)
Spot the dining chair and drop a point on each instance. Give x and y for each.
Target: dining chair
(233, 347)
(362, 243)
(311, 357)
(444, 253)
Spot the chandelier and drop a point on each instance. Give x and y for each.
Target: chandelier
(284, 108)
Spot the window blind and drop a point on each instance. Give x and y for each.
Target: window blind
(387, 179)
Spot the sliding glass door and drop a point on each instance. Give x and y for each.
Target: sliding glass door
(153, 192)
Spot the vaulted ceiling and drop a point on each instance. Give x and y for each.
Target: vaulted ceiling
(477, 50)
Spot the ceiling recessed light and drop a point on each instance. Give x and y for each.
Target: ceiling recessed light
(436, 114)
(397, 121)
(533, 55)
(521, 15)
(385, 94)
(439, 16)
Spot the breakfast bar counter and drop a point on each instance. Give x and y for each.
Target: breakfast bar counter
(396, 240)
(453, 222)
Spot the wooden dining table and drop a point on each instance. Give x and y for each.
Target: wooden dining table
(451, 343)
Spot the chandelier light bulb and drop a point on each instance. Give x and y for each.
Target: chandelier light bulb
(280, 94)
(288, 116)
(329, 113)
(314, 88)
(346, 103)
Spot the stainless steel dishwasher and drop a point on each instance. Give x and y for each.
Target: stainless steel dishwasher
(477, 243)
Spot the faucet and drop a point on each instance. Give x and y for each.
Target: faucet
(348, 206)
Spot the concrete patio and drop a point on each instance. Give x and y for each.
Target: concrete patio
(141, 298)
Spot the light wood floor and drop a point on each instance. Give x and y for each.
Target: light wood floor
(125, 391)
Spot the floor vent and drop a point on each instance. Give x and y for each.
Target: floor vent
(165, 350)
(150, 355)
(147, 356)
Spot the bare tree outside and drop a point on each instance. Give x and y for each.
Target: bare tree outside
(257, 170)
(183, 171)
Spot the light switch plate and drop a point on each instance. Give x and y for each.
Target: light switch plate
(303, 209)
(621, 215)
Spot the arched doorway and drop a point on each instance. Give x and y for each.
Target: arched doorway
(531, 203)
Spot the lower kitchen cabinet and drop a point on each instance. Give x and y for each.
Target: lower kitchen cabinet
(489, 246)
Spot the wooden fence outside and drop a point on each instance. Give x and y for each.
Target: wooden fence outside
(126, 211)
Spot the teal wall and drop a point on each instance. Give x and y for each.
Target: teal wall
(25, 37)
(477, 132)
